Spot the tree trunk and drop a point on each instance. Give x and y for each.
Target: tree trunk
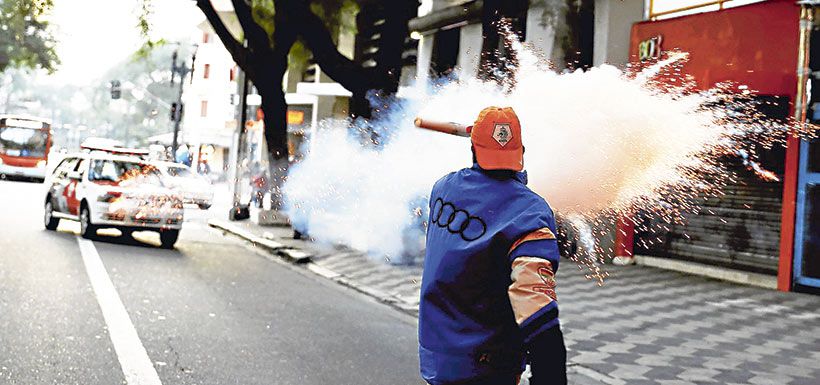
(274, 107)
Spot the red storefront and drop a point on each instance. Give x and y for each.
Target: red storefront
(767, 227)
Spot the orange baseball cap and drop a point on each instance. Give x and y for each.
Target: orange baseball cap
(496, 137)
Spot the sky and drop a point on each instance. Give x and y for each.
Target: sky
(94, 35)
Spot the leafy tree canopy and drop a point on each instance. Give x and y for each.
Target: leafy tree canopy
(25, 37)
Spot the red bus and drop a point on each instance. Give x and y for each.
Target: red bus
(24, 146)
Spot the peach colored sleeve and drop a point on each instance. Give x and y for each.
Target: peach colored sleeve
(532, 288)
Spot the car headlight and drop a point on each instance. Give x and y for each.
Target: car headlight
(41, 164)
(1, 160)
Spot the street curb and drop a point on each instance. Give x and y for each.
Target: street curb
(714, 272)
(301, 257)
(287, 253)
(376, 294)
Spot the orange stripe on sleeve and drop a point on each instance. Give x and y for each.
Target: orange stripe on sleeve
(542, 233)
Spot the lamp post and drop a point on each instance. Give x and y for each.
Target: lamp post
(177, 108)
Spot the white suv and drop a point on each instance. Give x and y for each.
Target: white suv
(104, 190)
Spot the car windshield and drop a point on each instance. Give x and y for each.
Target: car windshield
(123, 173)
(20, 141)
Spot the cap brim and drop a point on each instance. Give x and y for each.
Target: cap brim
(500, 159)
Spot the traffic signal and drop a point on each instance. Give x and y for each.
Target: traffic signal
(116, 92)
(176, 111)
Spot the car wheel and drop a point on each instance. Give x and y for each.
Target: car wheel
(204, 206)
(87, 229)
(168, 238)
(48, 216)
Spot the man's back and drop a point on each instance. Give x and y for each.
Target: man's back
(467, 325)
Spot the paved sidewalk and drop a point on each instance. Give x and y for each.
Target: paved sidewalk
(644, 326)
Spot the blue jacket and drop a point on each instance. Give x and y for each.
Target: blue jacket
(487, 287)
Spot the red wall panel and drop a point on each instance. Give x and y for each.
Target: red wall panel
(754, 45)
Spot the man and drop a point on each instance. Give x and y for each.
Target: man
(488, 301)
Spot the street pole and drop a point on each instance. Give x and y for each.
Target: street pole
(238, 210)
(183, 71)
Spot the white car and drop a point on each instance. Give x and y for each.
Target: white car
(190, 186)
(104, 190)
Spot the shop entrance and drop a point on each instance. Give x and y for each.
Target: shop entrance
(807, 229)
(807, 219)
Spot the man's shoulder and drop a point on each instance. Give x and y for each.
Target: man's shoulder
(529, 202)
(449, 178)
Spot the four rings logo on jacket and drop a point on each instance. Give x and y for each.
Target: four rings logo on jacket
(457, 221)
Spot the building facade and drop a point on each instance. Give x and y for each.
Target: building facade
(769, 227)
(208, 121)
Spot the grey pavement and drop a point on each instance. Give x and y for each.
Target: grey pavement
(211, 311)
(644, 326)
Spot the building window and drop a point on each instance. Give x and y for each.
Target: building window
(205, 37)
(203, 109)
(445, 51)
(206, 71)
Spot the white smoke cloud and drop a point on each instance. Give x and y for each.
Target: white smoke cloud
(594, 140)
(347, 193)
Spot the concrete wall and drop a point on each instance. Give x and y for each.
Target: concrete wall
(469, 50)
(613, 22)
(540, 30)
(425, 53)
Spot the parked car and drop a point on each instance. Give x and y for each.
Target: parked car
(192, 187)
(101, 190)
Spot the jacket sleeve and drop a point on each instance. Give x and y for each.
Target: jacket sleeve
(534, 260)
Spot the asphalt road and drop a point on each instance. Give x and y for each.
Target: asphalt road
(211, 311)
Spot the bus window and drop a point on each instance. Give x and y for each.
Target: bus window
(24, 142)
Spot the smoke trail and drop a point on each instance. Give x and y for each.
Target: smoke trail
(600, 141)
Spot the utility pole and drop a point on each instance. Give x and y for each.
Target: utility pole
(240, 211)
(177, 108)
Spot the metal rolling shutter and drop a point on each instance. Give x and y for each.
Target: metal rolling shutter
(739, 230)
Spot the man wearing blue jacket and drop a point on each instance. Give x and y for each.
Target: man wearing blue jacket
(488, 303)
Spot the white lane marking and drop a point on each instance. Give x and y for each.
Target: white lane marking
(136, 366)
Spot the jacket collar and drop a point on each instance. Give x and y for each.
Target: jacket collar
(520, 176)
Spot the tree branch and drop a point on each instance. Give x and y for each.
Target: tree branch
(350, 75)
(238, 52)
(284, 35)
(254, 32)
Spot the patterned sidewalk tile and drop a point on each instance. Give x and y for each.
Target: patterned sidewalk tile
(646, 325)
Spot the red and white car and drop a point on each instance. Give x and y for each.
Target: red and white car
(101, 189)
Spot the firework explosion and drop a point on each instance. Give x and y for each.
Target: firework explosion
(602, 144)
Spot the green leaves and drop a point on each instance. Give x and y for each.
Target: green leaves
(144, 26)
(25, 37)
(338, 15)
(263, 12)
